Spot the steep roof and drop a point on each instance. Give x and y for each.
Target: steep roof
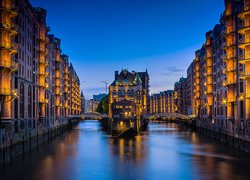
(130, 78)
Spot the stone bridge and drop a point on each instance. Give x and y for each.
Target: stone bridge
(168, 116)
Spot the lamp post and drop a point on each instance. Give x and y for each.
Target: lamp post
(106, 86)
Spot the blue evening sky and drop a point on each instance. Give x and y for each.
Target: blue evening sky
(102, 36)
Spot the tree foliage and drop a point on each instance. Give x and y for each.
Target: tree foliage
(103, 105)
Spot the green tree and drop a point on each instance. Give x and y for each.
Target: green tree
(103, 105)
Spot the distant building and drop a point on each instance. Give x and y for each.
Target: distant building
(162, 102)
(180, 99)
(87, 106)
(82, 103)
(91, 105)
(190, 90)
(129, 89)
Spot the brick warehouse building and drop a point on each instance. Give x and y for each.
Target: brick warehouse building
(38, 86)
(220, 74)
(217, 90)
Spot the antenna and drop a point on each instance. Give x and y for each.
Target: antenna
(106, 85)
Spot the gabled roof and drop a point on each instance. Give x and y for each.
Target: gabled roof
(130, 78)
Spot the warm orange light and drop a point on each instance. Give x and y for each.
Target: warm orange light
(224, 101)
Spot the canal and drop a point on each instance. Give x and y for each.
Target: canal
(165, 151)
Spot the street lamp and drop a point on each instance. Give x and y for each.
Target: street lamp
(106, 86)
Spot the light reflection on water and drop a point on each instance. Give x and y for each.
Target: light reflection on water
(165, 151)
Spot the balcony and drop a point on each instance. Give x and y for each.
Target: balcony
(229, 46)
(243, 28)
(4, 25)
(46, 64)
(9, 8)
(66, 89)
(244, 59)
(42, 101)
(230, 69)
(57, 83)
(57, 91)
(244, 42)
(58, 59)
(209, 63)
(42, 39)
(245, 75)
(10, 64)
(244, 13)
(66, 83)
(42, 84)
(8, 91)
(43, 51)
(231, 100)
(13, 46)
(230, 82)
(225, 58)
(41, 73)
(14, 29)
(229, 32)
(209, 91)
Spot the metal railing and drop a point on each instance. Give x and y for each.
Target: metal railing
(7, 91)
(245, 74)
(9, 45)
(8, 64)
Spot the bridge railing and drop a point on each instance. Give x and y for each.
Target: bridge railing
(166, 116)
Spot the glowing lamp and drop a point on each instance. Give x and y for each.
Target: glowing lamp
(224, 101)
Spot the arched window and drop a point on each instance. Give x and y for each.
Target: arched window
(29, 102)
(21, 100)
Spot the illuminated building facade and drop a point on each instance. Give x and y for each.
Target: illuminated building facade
(221, 74)
(34, 74)
(162, 102)
(180, 96)
(130, 86)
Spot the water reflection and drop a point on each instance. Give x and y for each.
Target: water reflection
(165, 151)
(134, 150)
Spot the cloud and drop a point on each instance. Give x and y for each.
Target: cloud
(172, 70)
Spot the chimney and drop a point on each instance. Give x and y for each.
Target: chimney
(116, 74)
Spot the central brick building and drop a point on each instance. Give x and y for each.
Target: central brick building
(130, 89)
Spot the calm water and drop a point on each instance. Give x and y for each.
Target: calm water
(166, 151)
